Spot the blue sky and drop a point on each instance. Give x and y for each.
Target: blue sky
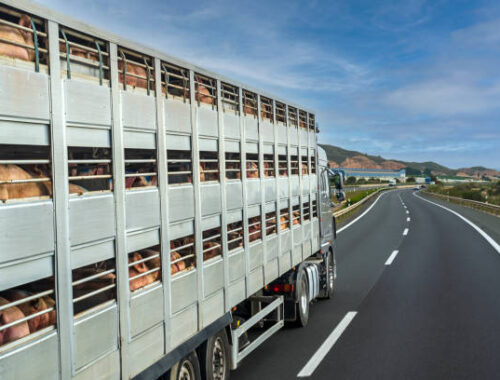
(414, 80)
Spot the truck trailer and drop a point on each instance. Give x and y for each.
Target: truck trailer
(157, 220)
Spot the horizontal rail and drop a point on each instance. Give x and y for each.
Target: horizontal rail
(483, 206)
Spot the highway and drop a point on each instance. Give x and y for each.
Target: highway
(417, 297)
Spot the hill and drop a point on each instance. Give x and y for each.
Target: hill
(353, 159)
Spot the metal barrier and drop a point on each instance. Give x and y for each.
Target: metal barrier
(485, 207)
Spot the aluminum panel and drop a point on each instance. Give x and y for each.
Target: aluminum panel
(251, 147)
(213, 276)
(185, 325)
(272, 247)
(27, 271)
(312, 138)
(138, 110)
(306, 249)
(178, 142)
(285, 262)
(234, 198)
(251, 128)
(87, 103)
(232, 146)
(184, 290)
(95, 334)
(270, 189)
(231, 125)
(236, 292)
(295, 185)
(142, 239)
(304, 136)
(294, 136)
(314, 182)
(237, 266)
(305, 184)
(306, 230)
(267, 131)
(286, 241)
(180, 203)
(139, 140)
(271, 271)
(91, 218)
(282, 136)
(207, 121)
(24, 93)
(255, 252)
(106, 368)
(142, 209)
(88, 254)
(177, 116)
(210, 222)
(14, 132)
(255, 281)
(213, 308)
(297, 255)
(283, 186)
(145, 350)
(146, 309)
(315, 237)
(27, 230)
(88, 137)
(234, 216)
(210, 199)
(253, 191)
(297, 235)
(34, 360)
(181, 229)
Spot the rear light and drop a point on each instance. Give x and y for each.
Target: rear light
(283, 288)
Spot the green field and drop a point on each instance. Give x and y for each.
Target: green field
(482, 192)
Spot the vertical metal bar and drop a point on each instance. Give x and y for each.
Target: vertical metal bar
(167, 79)
(35, 40)
(61, 205)
(278, 198)
(124, 60)
(68, 65)
(260, 128)
(290, 195)
(222, 171)
(195, 157)
(100, 61)
(118, 155)
(163, 190)
(148, 71)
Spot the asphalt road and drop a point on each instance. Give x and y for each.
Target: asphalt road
(433, 313)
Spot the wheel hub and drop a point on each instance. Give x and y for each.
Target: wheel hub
(218, 360)
(186, 371)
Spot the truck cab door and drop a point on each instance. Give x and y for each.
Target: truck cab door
(325, 209)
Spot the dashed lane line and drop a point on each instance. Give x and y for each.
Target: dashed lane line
(405, 232)
(408, 219)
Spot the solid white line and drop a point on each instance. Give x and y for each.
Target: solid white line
(487, 237)
(359, 217)
(405, 232)
(320, 354)
(391, 257)
(408, 219)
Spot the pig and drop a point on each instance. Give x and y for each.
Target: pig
(203, 95)
(40, 322)
(304, 168)
(137, 269)
(134, 70)
(10, 315)
(19, 190)
(213, 249)
(10, 33)
(253, 171)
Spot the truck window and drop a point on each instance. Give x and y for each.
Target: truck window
(294, 162)
(281, 113)
(135, 71)
(303, 119)
(179, 167)
(205, 90)
(296, 215)
(212, 243)
(93, 285)
(253, 165)
(254, 228)
(25, 172)
(283, 165)
(233, 165)
(292, 117)
(29, 308)
(144, 268)
(271, 223)
(314, 209)
(235, 236)
(230, 98)
(89, 170)
(266, 109)
(176, 81)
(269, 165)
(182, 254)
(306, 207)
(284, 218)
(312, 123)
(249, 103)
(140, 168)
(209, 166)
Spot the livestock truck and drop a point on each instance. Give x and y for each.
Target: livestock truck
(156, 219)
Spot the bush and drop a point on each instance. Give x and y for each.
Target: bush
(350, 180)
(411, 180)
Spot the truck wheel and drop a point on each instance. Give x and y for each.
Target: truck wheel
(215, 357)
(188, 368)
(302, 305)
(330, 276)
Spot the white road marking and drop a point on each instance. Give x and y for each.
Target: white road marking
(391, 257)
(487, 237)
(407, 212)
(408, 219)
(327, 345)
(405, 232)
(363, 214)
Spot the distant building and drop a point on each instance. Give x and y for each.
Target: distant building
(382, 174)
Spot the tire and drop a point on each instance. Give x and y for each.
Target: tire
(330, 276)
(188, 368)
(302, 305)
(215, 357)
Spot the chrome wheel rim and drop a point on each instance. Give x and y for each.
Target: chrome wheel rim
(186, 371)
(331, 273)
(219, 360)
(303, 300)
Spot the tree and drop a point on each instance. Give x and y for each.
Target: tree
(411, 180)
(350, 180)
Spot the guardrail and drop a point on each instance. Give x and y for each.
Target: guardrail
(485, 207)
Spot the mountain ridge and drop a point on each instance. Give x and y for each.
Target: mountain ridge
(338, 156)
